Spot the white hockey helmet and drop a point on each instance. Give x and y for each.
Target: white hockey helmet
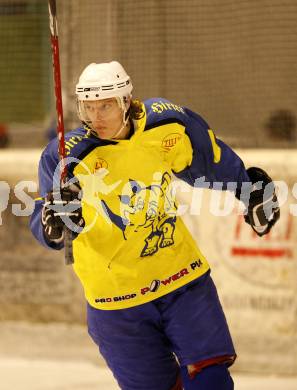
(103, 81)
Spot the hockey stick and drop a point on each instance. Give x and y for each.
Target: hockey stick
(59, 109)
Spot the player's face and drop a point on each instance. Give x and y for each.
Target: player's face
(106, 116)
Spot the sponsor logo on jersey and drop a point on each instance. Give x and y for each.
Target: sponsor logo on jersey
(170, 141)
(99, 164)
(115, 299)
(156, 284)
(159, 107)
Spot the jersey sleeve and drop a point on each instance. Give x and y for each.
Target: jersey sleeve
(47, 181)
(209, 159)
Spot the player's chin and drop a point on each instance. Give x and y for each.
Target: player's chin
(102, 133)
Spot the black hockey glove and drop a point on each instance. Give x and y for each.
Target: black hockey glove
(61, 207)
(263, 208)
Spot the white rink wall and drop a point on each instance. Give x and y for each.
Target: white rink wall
(256, 277)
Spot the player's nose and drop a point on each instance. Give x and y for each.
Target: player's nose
(98, 114)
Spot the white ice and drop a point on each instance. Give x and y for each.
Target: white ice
(61, 357)
(25, 374)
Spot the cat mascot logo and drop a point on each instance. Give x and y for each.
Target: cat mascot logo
(148, 207)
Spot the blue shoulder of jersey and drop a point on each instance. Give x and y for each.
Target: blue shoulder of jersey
(77, 145)
(161, 111)
(212, 158)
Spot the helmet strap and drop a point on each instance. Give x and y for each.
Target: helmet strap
(123, 105)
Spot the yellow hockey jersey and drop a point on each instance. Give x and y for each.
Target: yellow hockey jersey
(134, 247)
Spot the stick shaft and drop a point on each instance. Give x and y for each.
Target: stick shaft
(59, 109)
(57, 82)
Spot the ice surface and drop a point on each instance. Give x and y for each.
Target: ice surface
(25, 374)
(62, 357)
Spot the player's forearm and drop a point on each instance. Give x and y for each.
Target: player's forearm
(229, 169)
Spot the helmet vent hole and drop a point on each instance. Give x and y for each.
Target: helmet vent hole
(87, 96)
(97, 95)
(118, 76)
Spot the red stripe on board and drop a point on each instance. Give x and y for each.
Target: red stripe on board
(272, 252)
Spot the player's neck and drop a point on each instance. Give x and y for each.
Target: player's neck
(124, 134)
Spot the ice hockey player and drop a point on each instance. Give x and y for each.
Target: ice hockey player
(152, 306)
